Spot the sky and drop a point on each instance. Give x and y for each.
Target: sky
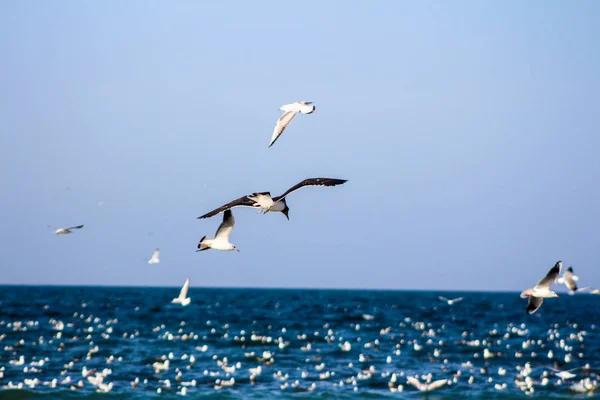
(467, 130)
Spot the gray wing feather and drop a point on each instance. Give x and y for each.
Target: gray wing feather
(533, 304)
(550, 277)
(226, 226)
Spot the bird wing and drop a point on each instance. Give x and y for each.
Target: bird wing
(243, 201)
(442, 298)
(457, 299)
(568, 279)
(155, 255)
(184, 289)
(226, 226)
(312, 182)
(550, 277)
(533, 304)
(75, 227)
(436, 384)
(415, 382)
(282, 123)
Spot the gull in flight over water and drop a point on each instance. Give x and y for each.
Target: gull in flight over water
(569, 279)
(427, 386)
(155, 259)
(304, 107)
(450, 301)
(65, 231)
(266, 203)
(183, 299)
(221, 240)
(542, 290)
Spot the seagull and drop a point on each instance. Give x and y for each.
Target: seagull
(266, 203)
(182, 299)
(291, 110)
(564, 375)
(155, 259)
(221, 240)
(65, 231)
(542, 290)
(450, 302)
(426, 387)
(569, 279)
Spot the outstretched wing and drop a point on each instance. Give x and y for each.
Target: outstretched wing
(457, 299)
(436, 384)
(569, 279)
(550, 277)
(184, 289)
(533, 304)
(243, 201)
(282, 123)
(154, 259)
(442, 298)
(312, 182)
(226, 226)
(75, 227)
(415, 382)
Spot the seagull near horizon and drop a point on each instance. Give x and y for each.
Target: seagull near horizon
(450, 301)
(266, 203)
(183, 299)
(304, 107)
(155, 259)
(427, 386)
(569, 279)
(65, 231)
(221, 240)
(542, 290)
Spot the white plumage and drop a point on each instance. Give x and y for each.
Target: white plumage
(304, 107)
(155, 259)
(182, 298)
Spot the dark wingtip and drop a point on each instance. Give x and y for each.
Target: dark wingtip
(570, 269)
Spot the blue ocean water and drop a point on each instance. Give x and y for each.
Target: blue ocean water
(307, 343)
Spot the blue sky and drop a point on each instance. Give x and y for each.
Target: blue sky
(468, 132)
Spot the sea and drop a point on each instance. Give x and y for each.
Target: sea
(133, 343)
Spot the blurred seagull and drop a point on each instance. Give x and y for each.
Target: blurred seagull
(451, 301)
(291, 110)
(65, 231)
(183, 299)
(266, 203)
(569, 279)
(155, 259)
(542, 290)
(427, 386)
(221, 240)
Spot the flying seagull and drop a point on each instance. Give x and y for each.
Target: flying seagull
(427, 386)
(542, 290)
(65, 231)
(183, 299)
(304, 107)
(154, 259)
(450, 301)
(221, 240)
(569, 279)
(266, 203)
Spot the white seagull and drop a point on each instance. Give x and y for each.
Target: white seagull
(304, 107)
(183, 299)
(542, 290)
(266, 203)
(155, 259)
(221, 240)
(450, 301)
(569, 279)
(427, 386)
(65, 231)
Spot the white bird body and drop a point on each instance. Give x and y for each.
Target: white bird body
(221, 239)
(154, 259)
(183, 299)
(65, 231)
(291, 110)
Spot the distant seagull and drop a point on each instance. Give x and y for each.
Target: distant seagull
(564, 375)
(266, 203)
(65, 231)
(452, 301)
(542, 290)
(155, 259)
(291, 110)
(426, 387)
(221, 240)
(183, 299)
(569, 279)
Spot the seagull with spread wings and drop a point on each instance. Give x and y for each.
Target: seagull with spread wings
(65, 231)
(266, 203)
(542, 290)
(182, 298)
(450, 301)
(304, 107)
(428, 386)
(221, 240)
